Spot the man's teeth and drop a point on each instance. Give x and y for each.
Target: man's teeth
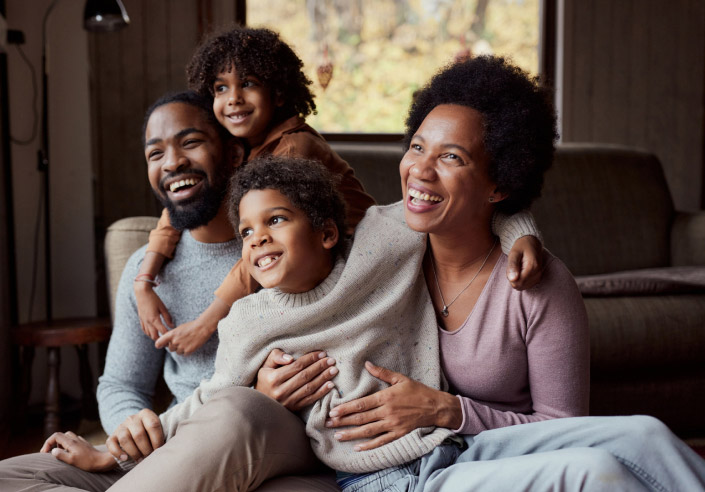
(180, 184)
(266, 261)
(424, 196)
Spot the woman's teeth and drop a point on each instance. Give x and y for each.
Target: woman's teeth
(419, 196)
(180, 184)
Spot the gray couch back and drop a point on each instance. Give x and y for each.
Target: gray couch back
(603, 208)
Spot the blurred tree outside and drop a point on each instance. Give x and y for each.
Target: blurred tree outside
(381, 51)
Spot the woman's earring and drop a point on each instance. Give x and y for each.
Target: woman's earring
(491, 199)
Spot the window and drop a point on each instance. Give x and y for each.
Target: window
(367, 57)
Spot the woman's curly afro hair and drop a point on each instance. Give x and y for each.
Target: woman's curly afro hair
(518, 116)
(306, 183)
(253, 52)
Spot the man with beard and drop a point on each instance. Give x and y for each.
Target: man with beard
(189, 165)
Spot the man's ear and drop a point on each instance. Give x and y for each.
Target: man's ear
(235, 151)
(330, 234)
(278, 99)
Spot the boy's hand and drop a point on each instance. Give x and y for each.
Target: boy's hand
(298, 383)
(137, 436)
(151, 310)
(525, 263)
(76, 451)
(188, 337)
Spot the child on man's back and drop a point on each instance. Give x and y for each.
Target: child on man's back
(261, 96)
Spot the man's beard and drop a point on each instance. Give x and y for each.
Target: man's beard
(198, 210)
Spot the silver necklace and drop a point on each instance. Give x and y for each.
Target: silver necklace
(446, 306)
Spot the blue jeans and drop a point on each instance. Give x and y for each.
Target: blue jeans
(583, 453)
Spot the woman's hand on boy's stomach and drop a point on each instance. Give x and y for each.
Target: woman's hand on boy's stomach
(296, 383)
(393, 412)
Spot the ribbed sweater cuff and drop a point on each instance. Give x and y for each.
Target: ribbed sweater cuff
(509, 228)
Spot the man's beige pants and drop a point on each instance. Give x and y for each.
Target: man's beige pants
(235, 442)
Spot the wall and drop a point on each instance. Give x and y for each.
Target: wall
(71, 176)
(633, 72)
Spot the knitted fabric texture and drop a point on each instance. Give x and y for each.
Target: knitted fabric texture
(366, 309)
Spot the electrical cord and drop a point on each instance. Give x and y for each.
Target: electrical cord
(35, 116)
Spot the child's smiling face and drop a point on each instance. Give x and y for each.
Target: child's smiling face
(279, 245)
(244, 107)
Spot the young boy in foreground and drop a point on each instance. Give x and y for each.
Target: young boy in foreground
(368, 302)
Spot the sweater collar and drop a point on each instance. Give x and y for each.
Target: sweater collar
(316, 294)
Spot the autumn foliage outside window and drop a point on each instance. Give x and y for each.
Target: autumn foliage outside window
(373, 54)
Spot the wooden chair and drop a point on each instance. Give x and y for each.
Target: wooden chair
(53, 335)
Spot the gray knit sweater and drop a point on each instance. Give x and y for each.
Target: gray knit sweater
(374, 306)
(133, 365)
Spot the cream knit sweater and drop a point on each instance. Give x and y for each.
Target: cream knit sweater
(366, 309)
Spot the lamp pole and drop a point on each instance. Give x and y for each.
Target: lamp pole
(43, 165)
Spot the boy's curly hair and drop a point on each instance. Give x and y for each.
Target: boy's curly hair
(306, 183)
(518, 116)
(257, 52)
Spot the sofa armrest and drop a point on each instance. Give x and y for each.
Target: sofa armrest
(688, 239)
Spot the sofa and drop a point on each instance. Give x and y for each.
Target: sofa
(607, 213)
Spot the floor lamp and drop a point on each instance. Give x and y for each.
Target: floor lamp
(98, 16)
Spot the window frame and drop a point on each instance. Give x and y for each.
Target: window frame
(547, 66)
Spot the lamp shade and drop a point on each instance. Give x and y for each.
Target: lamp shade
(104, 15)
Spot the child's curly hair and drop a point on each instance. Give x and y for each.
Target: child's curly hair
(306, 183)
(257, 52)
(518, 116)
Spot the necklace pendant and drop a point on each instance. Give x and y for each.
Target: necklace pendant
(445, 311)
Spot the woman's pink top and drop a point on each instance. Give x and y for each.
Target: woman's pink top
(520, 356)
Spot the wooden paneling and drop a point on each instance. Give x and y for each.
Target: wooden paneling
(129, 70)
(634, 72)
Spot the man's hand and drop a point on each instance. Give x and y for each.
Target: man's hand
(76, 451)
(525, 263)
(151, 310)
(394, 411)
(137, 436)
(298, 383)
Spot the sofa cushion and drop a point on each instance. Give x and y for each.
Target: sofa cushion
(645, 334)
(376, 165)
(648, 281)
(606, 209)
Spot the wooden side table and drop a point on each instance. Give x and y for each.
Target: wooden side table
(53, 335)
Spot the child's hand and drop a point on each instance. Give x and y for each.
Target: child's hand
(525, 263)
(298, 383)
(76, 451)
(188, 337)
(151, 310)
